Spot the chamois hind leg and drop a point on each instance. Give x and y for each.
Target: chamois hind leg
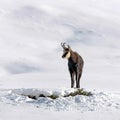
(72, 79)
(78, 80)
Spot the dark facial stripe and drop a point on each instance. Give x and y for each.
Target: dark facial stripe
(64, 55)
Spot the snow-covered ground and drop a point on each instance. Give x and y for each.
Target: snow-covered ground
(30, 58)
(15, 104)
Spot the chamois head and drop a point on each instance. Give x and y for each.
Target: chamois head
(66, 51)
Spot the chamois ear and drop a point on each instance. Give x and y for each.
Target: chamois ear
(69, 47)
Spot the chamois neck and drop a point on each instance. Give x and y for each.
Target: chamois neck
(73, 57)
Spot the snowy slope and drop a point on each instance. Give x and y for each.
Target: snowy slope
(19, 106)
(31, 33)
(95, 102)
(30, 58)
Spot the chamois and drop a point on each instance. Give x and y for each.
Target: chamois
(75, 64)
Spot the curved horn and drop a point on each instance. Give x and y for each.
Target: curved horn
(64, 45)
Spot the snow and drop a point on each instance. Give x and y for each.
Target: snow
(31, 64)
(20, 106)
(95, 102)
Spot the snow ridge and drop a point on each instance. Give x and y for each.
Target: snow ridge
(99, 100)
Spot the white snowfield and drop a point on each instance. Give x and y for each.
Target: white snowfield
(30, 59)
(17, 104)
(95, 102)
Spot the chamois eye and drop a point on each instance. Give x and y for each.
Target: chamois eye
(65, 51)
